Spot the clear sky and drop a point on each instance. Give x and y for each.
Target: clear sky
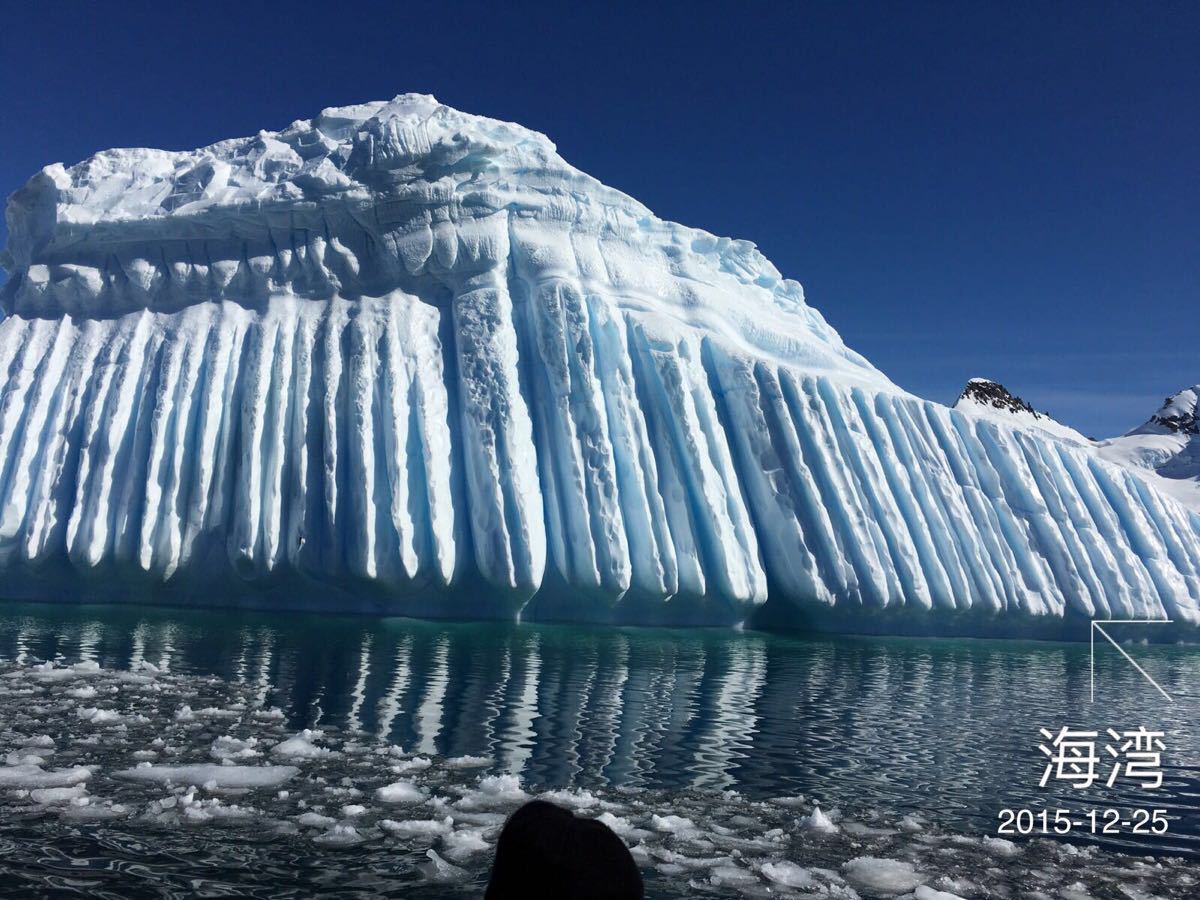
(1004, 189)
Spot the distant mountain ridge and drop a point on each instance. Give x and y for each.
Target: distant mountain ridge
(1178, 415)
(1167, 445)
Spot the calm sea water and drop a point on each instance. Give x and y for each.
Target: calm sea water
(713, 726)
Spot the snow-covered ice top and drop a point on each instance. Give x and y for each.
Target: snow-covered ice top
(407, 148)
(366, 198)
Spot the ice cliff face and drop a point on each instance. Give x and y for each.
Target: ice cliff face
(406, 359)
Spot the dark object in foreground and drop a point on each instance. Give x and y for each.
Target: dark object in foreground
(547, 852)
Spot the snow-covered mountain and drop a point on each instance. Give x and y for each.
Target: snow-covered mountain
(991, 400)
(406, 359)
(1166, 447)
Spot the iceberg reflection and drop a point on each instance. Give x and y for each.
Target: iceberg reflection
(945, 725)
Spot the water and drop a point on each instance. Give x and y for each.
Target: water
(911, 746)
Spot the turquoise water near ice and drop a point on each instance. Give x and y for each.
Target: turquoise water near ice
(945, 731)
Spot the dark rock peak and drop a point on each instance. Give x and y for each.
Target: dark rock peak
(996, 395)
(1179, 414)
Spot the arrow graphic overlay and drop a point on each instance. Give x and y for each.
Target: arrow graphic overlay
(1096, 626)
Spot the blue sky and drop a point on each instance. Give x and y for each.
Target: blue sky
(1006, 190)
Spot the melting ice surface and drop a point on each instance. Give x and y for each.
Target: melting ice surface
(406, 359)
(169, 753)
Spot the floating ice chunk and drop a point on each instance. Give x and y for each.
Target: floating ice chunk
(31, 776)
(345, 789)
(618, 824)
(927, 893)
(1000, 846)
(623, 827)
(340, 836)
(24, 759)
(878, 877)
(861, 829)
(911, 824)
(819, 822)
(683, 861)
(788, 874)
(418, 827)
(468, 762)
(353, 810)
(465, 842)
(215, 712)
(98, 716)
(87, 692)
(315, 820)
(731, 876)
(226, 747)
(301, 746)
(89, 809)
(795, 802)
(48, 671)
(195, 811)
(963, 887)
(400, 792)
(134, 678)
(416, 764)
(493, 791)
(464, 817)
(574, 799)
(438, 869)
(232, 777)
(46, 796)
(669, 824)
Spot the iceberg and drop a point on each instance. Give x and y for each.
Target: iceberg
(407, 360)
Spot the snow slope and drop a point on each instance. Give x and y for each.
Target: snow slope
(406, 359)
